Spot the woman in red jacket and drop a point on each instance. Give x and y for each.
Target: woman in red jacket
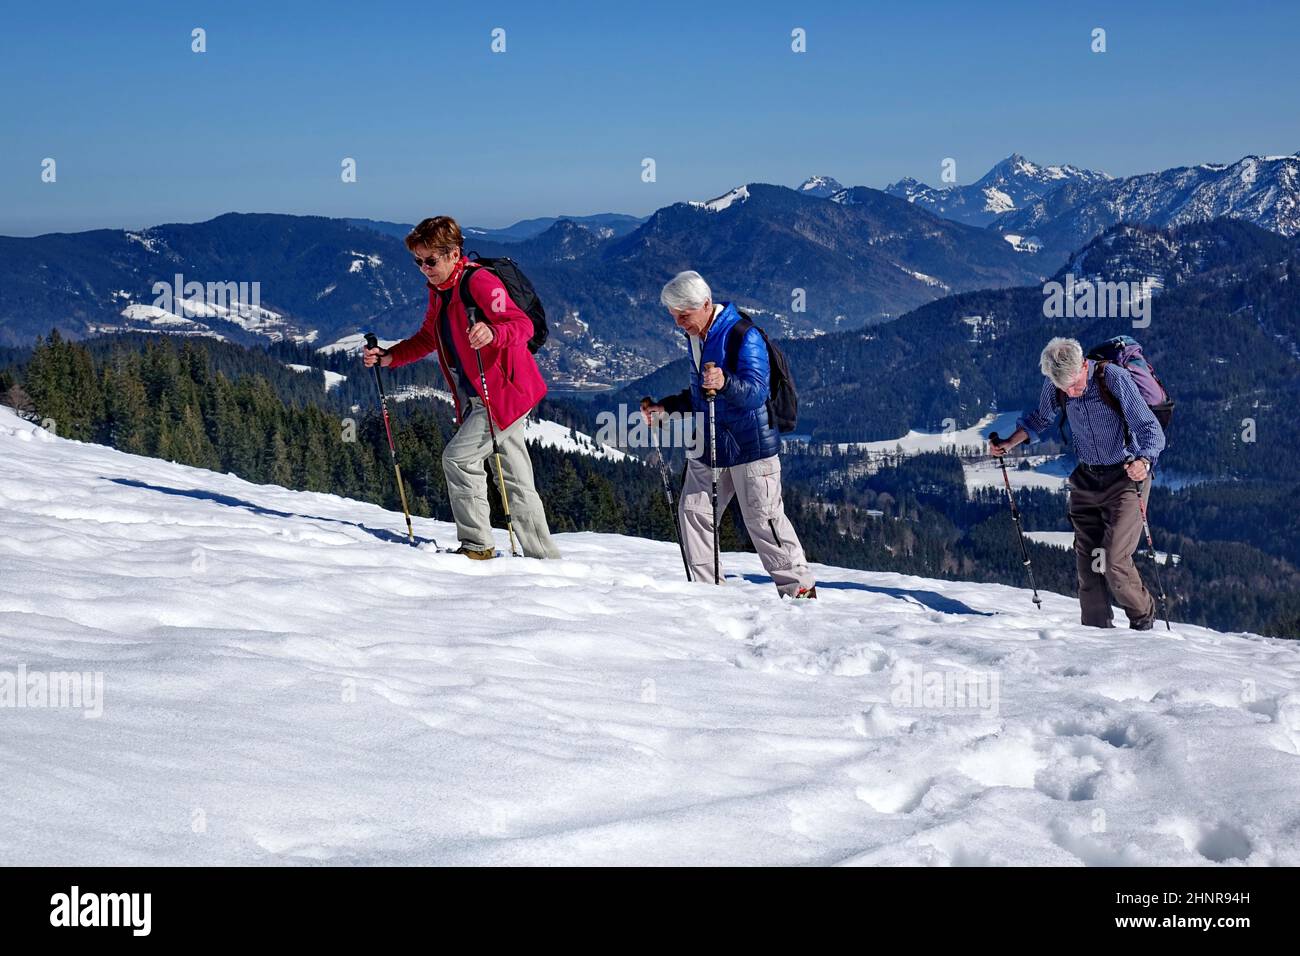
(514, 387)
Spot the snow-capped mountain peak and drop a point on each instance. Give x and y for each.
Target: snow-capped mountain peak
(1018, 172)
(909, 188)
(725, 201)
(1009, 185)
(823, 187)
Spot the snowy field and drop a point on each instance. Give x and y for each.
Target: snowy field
(1057, 539)
(1065, 540)
(915, 442)
(1043, 472)
(1047, 472)
(284, 682)
(332, 379)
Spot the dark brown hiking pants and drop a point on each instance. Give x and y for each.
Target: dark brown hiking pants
(1107, 529)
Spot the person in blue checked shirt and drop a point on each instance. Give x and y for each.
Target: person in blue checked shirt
(748, 442)
(1117, 440)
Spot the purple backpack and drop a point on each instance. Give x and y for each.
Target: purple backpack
(1126, 352)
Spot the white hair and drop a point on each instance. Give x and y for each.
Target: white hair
(1062, 361)
(685, 291)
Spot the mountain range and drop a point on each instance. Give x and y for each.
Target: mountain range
(604, 225)
(1052, 211)
(1264, 191)
(1012, 184)
(864, 260)
(808, 261)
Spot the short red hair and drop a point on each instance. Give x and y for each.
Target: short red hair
(440, 233)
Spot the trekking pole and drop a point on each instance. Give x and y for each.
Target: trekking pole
(711, 394)
(1155, 570)
(492, 429)
(1015, 517)
(668, 489)
(373, 343)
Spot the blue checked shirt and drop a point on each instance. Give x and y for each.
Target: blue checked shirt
(1098, 432)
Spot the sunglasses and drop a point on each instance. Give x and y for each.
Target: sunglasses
(428, 261)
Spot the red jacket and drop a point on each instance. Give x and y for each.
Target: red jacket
(514, 381)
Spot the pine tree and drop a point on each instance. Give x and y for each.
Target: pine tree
(162, 432)
(280, 466)
(314, 471)
(127, 408)
(190, 441)
(604, 510)
(564, 499)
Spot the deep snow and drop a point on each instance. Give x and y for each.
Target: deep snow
(283, 683)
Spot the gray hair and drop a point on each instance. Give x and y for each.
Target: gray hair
(685, 291)
(1061, 361)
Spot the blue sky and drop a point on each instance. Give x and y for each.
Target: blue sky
(146, 131)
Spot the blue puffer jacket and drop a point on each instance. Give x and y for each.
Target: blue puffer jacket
(744, 432)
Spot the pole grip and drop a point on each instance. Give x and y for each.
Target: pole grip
(710, 392)
(373, 343)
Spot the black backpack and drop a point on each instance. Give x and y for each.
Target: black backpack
(520, 289)
(783, 400)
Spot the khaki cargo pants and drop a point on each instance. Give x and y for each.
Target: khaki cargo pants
(757, 485)
(465, 463)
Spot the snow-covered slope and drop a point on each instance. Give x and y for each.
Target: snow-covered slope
(285, 682)
(554, 435)
(198, 316)
(351, 344)
(332, 379)
(739, 194)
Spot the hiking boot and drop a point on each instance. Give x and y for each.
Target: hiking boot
(1143, 625)
(805, 594)
(476, 554)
